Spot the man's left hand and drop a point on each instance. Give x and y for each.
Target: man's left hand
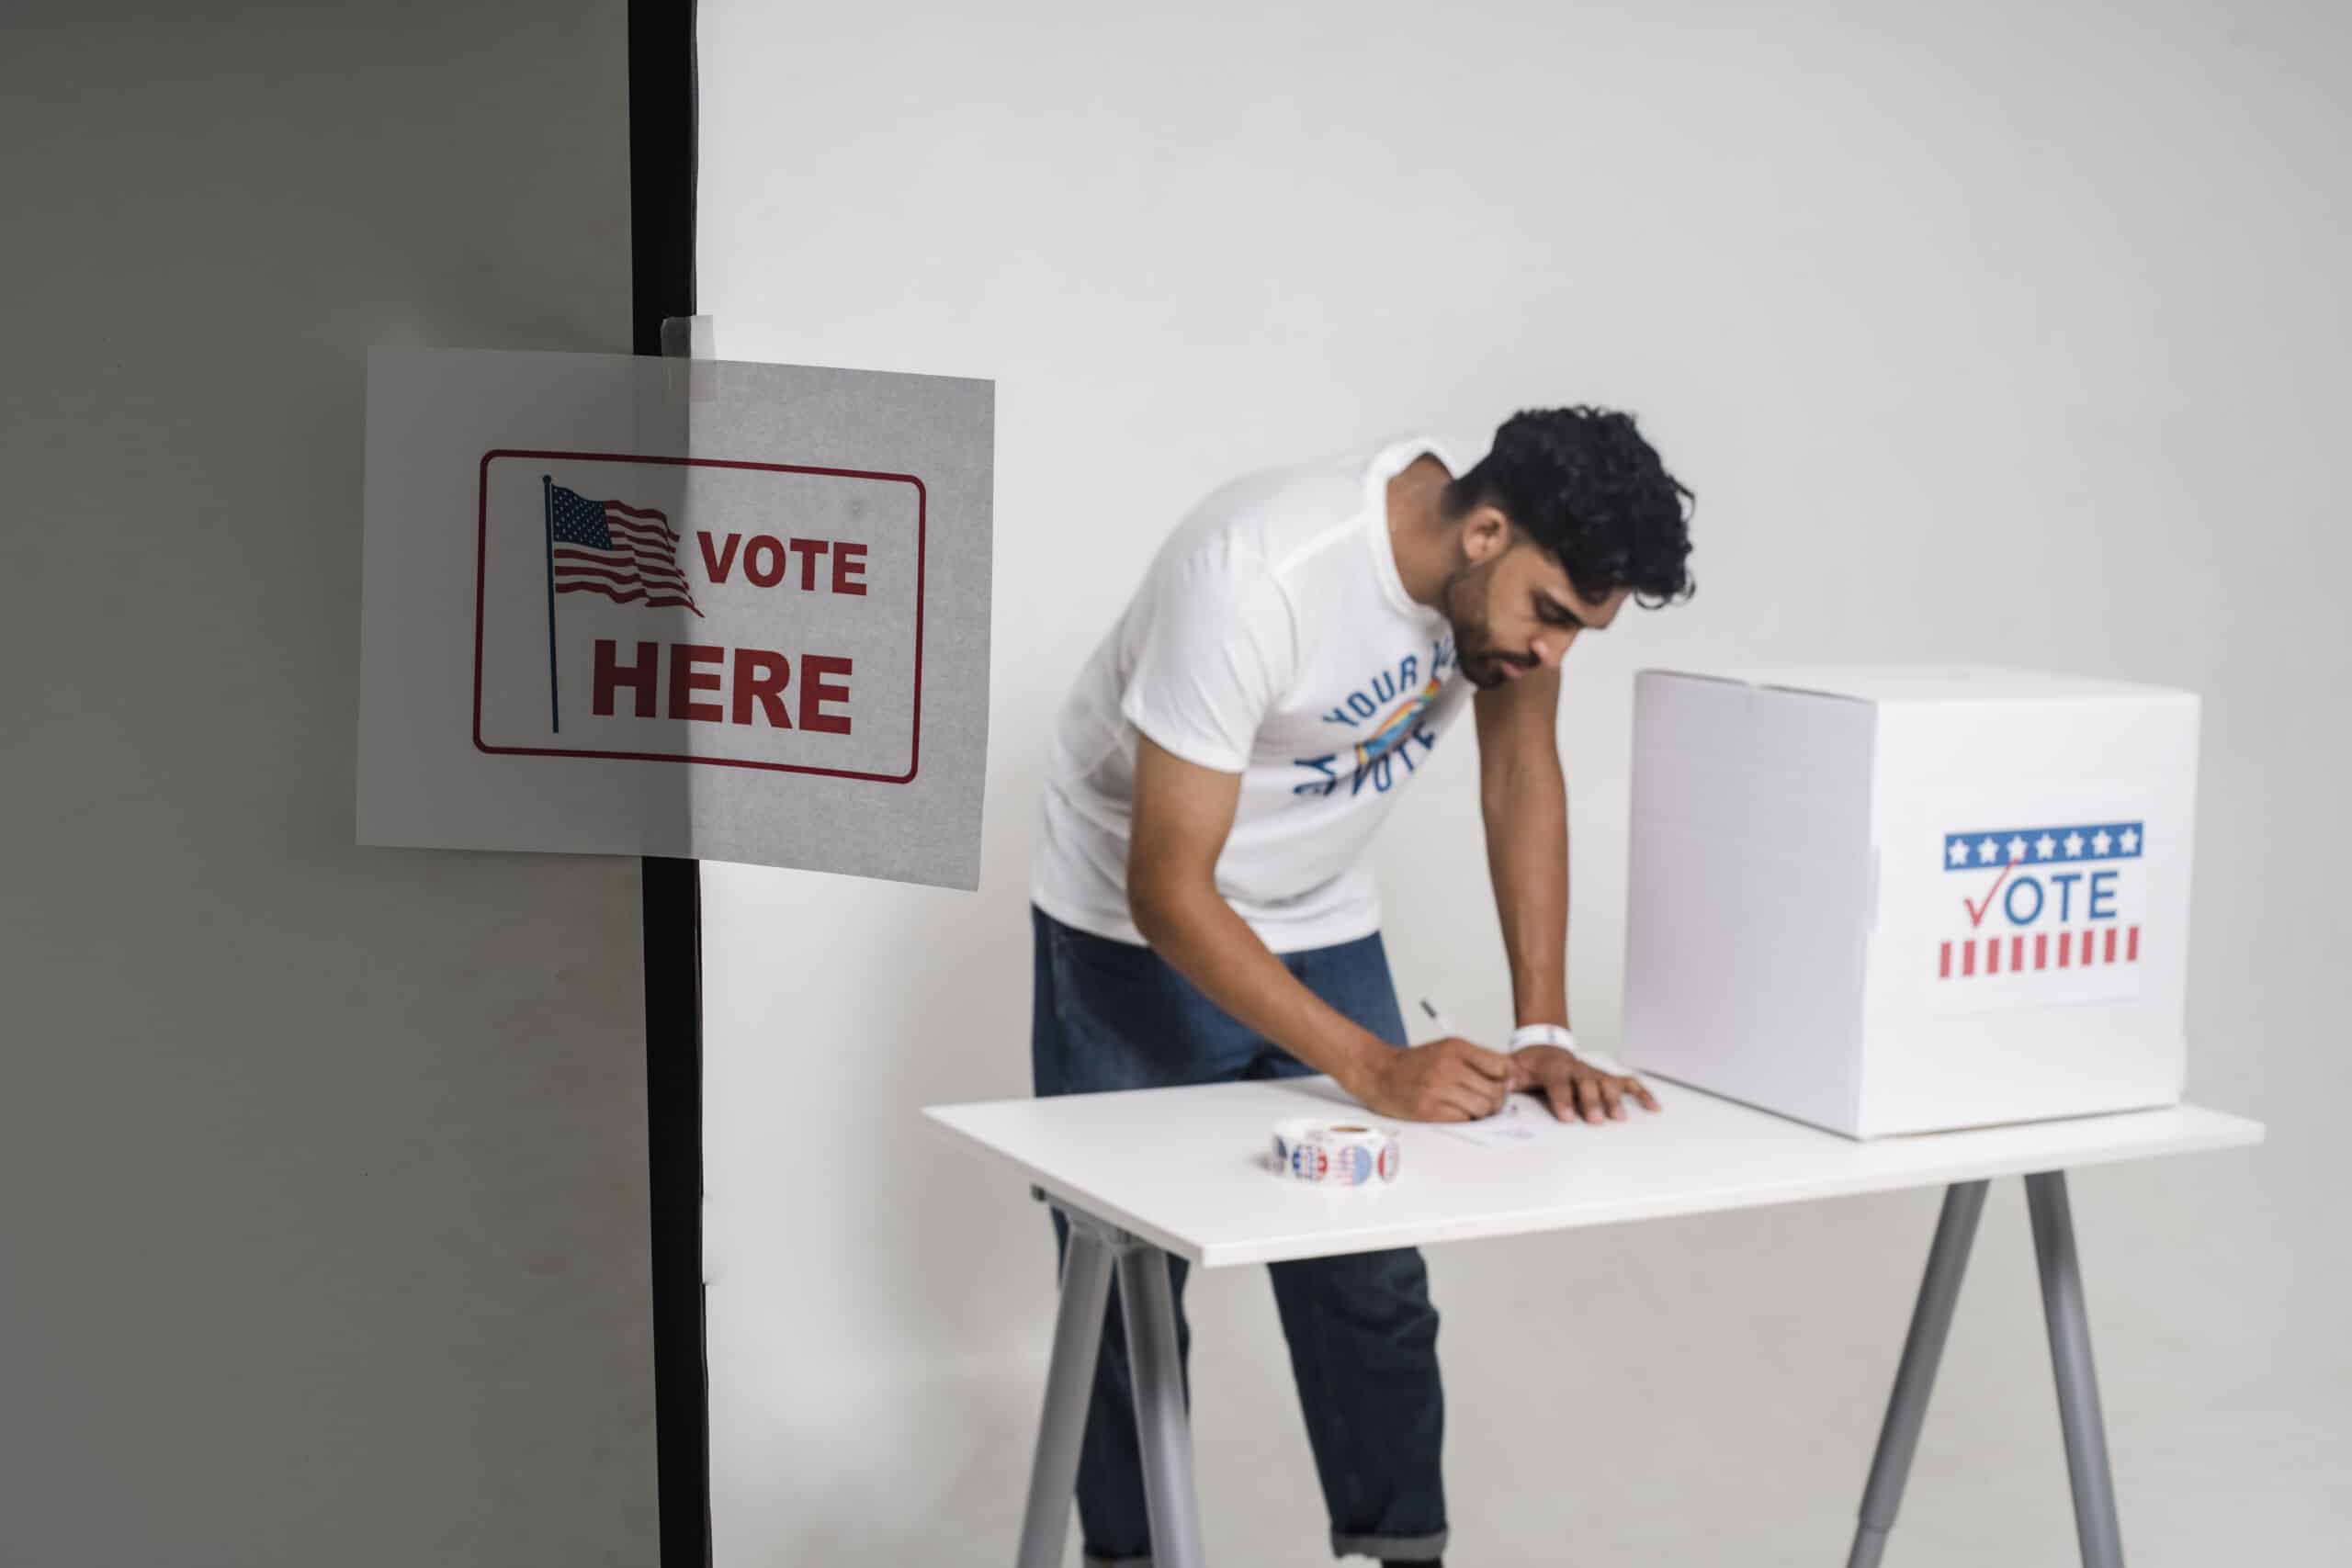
(1576, 1088)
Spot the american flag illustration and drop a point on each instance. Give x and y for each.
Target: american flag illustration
(629, 554)
(2052, 898)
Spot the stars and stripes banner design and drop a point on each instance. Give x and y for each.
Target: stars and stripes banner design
(2073, 873)
(629, 554)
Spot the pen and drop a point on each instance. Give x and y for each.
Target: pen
(1444, 1026)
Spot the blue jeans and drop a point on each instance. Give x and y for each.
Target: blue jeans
(1111, 1015)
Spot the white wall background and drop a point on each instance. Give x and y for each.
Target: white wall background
(2011, 332)
(322, 1191)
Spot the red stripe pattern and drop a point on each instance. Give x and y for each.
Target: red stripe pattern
(2087, 949)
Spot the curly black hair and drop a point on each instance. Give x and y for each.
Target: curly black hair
(1582, 483)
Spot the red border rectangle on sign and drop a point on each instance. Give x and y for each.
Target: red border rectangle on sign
(481, 559)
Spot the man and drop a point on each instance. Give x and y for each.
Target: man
(1205, 903)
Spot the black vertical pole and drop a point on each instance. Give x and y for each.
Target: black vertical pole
(661, 158)
(546, 505)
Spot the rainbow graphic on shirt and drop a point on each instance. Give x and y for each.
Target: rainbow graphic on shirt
(1398, 725)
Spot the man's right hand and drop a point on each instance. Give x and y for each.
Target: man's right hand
(1183, 813)
(1446, 1081)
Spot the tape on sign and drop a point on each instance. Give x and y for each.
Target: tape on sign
(1338, 1154)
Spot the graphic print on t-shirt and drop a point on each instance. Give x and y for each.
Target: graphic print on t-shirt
(1374, 758)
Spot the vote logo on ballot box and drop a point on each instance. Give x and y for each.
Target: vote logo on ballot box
(2059, 917)
(1902, 900)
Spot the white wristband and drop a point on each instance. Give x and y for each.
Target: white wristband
(1566, 1039)
(1544, 1034)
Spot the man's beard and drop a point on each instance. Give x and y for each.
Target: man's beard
(1487, 669)
(1472, 647)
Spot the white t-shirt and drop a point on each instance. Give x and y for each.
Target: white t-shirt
(1272, 638)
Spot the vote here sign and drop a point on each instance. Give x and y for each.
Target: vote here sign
(704, 611)
(704, 608)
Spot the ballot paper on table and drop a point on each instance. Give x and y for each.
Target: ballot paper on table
(1524, 1122)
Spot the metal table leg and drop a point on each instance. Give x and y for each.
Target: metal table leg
(1906, 1408)
(1163, 1423)
(2070, 1359)
(1070, 1383)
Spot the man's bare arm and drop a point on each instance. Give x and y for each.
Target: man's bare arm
(1523, 797)
(1183, 813)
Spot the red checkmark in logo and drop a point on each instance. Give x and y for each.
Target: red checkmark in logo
(1977, 911)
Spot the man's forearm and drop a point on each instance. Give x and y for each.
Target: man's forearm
(1195, 930)
(1526, 812)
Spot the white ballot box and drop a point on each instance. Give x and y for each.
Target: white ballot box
(1901, 900)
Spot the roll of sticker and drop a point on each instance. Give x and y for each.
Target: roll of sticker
(1337, 1153)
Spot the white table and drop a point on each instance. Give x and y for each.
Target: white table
(1185, 1171)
